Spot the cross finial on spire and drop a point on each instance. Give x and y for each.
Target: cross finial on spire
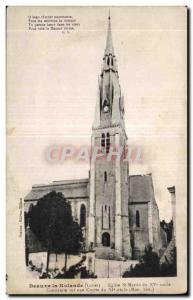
(109, 15)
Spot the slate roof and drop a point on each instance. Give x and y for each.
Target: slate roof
(71, 189)
(141, 188)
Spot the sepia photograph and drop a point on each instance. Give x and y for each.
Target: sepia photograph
(97, 150)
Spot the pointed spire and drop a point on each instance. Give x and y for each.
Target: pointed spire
(109, 44)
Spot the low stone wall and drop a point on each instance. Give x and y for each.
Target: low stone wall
(58, 261)
(112, 268)
(55, 261)
(101, 267)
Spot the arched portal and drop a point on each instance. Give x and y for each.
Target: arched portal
(106, 239)
(82, 216)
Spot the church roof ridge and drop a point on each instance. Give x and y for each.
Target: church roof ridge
(61, 182)
(142, 175)
(67, 181)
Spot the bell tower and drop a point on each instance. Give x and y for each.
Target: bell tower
(108, 220)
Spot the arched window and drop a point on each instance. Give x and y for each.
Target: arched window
(112, 93)
(124, 152)
(105, 103)
(111, 61)
(102, 215)
(107, 143)
(103, 140)
(106, 239)
(108, 61)
(137, 219)
(82, 216)
(105, 176)
(109, 217)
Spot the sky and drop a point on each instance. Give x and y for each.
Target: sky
(52, 90)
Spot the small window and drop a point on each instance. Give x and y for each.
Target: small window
(109, 217)
(103, 140)
(105, 176)
(102, 216)
(123, 152)
(137, 219)
(107, 143)
(108, 61)
(112, 61)
(82, 216)
(105, 103)
(112, 93)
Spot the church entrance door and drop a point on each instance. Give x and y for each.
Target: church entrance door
(106, 239)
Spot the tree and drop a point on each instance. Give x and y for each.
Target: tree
(147, 267)
(52, 222)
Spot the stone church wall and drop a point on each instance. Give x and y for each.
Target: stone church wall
(105, 204)
(139, 234)
(157, 245)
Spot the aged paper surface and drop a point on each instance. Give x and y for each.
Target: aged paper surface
(81, 80)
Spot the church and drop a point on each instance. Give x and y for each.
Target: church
(117, 211)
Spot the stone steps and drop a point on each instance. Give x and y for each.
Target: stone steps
(107, 253)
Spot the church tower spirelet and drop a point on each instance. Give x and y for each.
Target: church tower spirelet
(108, 219)
(110, 107)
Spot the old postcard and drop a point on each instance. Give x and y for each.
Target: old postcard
(97, 150)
